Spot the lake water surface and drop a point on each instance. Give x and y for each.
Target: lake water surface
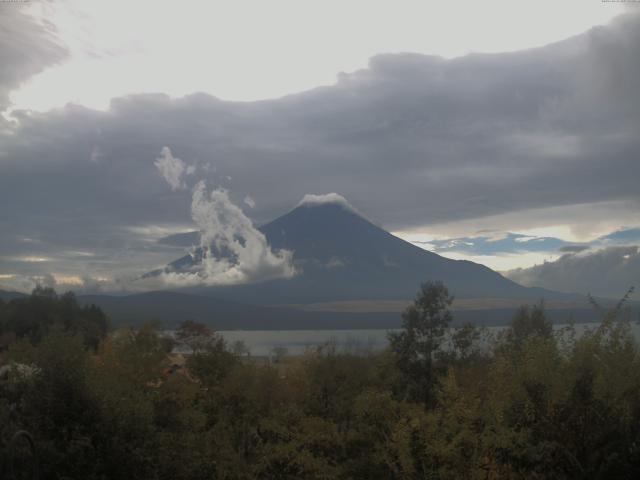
(262, 342)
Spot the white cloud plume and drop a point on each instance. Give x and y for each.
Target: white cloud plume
(173, 169)
(250, 201)
(231, 250)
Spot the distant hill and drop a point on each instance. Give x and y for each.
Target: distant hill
(170, 308)
(7, 295)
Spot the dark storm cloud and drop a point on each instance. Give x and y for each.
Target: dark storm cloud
(27, 46)
(411, 140)
(607, 272)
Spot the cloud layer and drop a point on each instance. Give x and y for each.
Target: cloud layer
(607, 272)
(412, 141)
(28, 44)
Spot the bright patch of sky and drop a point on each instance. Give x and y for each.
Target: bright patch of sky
(507, 251)
(246, 50)
(589, 224)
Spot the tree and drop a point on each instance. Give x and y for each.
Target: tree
(32, 317)
(240, 348)
(424, 324)
(611, 314)
(529, 321)
(278, 353)
(194, 335)
(213, 362)
(465, 340)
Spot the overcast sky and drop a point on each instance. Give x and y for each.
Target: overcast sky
(449, 123)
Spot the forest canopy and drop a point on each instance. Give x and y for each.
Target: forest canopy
(531, 402)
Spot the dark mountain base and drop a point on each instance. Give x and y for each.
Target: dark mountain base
(172, 308)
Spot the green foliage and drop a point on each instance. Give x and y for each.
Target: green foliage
(466, 342)
(424, 324)
(32, 317)
(533, 403)
(529, 320)
(213, 363)
(56, 403)
(194, 335)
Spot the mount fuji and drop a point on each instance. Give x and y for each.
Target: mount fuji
(341, 256)
(351, 273)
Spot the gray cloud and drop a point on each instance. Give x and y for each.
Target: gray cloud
(27, 46)
(411, 140)
(172, 169)
(574, 248)
(607, 272)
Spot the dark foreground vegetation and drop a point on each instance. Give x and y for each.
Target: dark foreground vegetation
(530, 403)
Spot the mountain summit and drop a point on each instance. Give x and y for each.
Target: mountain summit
(340, 255)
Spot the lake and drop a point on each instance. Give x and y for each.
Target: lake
(262, 342)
